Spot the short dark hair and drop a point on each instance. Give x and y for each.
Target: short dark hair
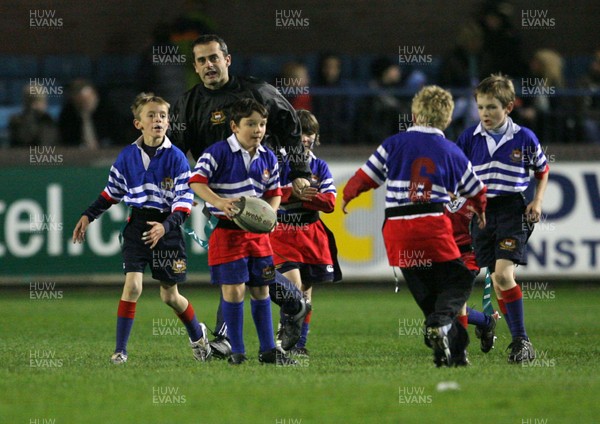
(498, 86)
(243, 109)
(208, 38)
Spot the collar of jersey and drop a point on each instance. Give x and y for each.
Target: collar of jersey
(491, 143)
(430, 130)
(510, 131)
(166, 144)
(235, 145)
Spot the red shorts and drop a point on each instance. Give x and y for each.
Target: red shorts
(228, 245)
(305, 244)
(419, 241)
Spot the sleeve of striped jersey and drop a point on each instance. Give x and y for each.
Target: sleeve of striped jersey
(359, 183)
(326, 178)
(375, 168)
(469, 184)
(116, 188)
(184, 196)
(538, 160)
(324, 202)
(205, 168)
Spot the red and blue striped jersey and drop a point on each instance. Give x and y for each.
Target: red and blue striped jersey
(504, 167)
(159, 183)
(421, 166)
(230, 172)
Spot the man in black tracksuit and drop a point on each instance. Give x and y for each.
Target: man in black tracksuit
(200, 117)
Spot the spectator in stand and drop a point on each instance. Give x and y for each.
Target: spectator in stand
(589, 105)
(501, 46)
(85, 121)
(294, 85)
(461, 69)
(379, 113)
(163, 66)
(542, 108)
(33, 126)
(335, 111)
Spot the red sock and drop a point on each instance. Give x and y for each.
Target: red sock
(126, 309)
(512, 295)
(464, 320)
(308, 317)
(188, 314)
(502, 306)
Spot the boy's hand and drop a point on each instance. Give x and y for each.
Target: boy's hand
(534, 211)
(227, 205)
(481, 222)
(307, 194)
(298, 185)
(79, 231)
(153, 235)
(344, 205)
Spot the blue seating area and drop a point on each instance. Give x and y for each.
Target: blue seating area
(117, 72)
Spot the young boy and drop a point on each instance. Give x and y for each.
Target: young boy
(420, 169)
(227, 170)
(301, 241)
(151, 177)
(460, 213)
(502, 154)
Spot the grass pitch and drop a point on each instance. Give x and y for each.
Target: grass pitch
(368, 364)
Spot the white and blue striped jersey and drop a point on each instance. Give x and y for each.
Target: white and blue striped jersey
(159, 183)
(421, 166)
(504, 167)
(230, 172)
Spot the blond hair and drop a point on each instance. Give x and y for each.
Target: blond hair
(551, 66)
(497, 86)
(432, 106)
(143, 99)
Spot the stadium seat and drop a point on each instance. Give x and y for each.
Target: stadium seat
(66, 67)
(116, 69)
(18, 66)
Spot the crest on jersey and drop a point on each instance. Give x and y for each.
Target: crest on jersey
(265, 176)
(167, 184)
(179, 266)
(217, 117)
(314, 179)
(508, 244)
(516, 155)
(456, 204)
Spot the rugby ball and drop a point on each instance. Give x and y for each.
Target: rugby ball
(255, 215)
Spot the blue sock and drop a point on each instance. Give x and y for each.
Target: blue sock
(303, 335)
(125, 316)
(188, 318)
(234, 318)
(478, 318)
(513, 300)
(123, 330)
(261, 313)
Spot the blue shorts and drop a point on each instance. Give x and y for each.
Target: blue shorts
(255, 272)
(506, 233)
(168, 259)
(309, 273)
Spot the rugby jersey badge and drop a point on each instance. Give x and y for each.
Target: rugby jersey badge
(516, 155)
(217, 117)
(266, 175)
(167, 184)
